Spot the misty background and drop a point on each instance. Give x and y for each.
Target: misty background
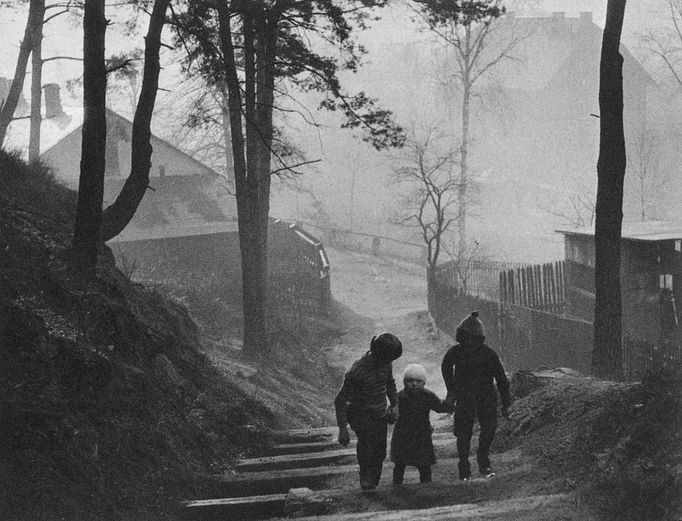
(534, 123)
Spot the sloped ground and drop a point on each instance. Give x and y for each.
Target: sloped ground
(109, 409)
(574, 448)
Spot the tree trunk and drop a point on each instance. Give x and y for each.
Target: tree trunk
(463, 161)
(36, 87)
(607, 348)
(33, 25)
(252, 159)
(431, 289)
(117, 216)
(227, 133)
(86, 239)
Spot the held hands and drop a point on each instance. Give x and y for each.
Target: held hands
(344, 436)
(392, 415)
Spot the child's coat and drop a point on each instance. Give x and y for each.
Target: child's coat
(411, 443)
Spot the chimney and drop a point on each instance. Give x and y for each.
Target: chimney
(53, 101)
(586, 16)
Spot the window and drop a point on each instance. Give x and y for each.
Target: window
(665, 281)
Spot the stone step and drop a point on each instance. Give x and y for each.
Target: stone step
(443, 423)
(444, 446)
(326, 445)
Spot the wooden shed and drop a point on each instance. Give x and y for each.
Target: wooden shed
(651, 277)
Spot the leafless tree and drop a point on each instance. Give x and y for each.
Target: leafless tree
(430, 189)
(646, 180)
(666, 43)
(430, 193)
(468, 30)
(575, 206)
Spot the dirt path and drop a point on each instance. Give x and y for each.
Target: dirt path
(376, 294)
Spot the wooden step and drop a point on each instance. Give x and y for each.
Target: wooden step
(250, 507)
(554, 506)
(278, 481)
(439, 501)
(317, 478)
(444, 446)
(313, 434)
(329, 444)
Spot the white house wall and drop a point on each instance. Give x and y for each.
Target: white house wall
(64, 157)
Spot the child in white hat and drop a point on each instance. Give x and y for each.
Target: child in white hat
(411, 443)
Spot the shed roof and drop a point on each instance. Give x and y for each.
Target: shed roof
(648, 231)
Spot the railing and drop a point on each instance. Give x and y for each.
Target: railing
(374, 244)
(300, 266)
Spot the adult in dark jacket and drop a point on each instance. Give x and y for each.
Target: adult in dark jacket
(468, 369)
(361, 402)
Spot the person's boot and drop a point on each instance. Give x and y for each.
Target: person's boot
(484, 467)
(366, 481)
(464, 469)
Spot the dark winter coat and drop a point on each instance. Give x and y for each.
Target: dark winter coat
(366, 385)
(411, 443)
(475, 366)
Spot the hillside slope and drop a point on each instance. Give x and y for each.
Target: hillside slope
(109, 408)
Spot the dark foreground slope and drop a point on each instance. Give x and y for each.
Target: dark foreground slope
(108, 408)
(617, 447)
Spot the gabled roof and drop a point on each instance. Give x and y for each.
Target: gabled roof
(52, 130)
(648, 231)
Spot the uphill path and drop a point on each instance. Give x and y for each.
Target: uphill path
(376, 294)
(307, 474)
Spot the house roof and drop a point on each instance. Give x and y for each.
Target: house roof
(647, 231)
(52, 130)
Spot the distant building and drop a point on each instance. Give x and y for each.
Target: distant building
(185, 229)
(538, 134)
(187, 218)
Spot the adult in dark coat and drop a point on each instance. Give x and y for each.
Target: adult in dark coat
(411, 443)
(361, 402)
(469, 369)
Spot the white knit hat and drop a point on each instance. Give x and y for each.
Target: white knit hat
(415, 372)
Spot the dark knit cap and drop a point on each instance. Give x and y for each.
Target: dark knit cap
(386, 346)
(472, 325)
